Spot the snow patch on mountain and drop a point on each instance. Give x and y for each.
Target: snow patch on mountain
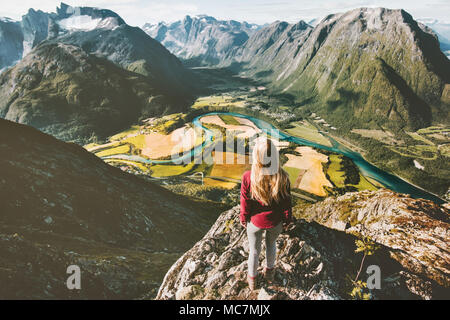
(83, 23)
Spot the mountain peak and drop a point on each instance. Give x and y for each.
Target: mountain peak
(86, 18)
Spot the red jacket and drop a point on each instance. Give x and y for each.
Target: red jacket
(262, 216)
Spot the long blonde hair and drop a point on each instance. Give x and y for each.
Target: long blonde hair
(269, 182)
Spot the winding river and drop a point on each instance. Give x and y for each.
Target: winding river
(367, 169)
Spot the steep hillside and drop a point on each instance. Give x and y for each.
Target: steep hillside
(62, 205)
(315, 262)
(64, 91)
(377, 67)
(11, 42)
(270, 49)
(132, 49)
(201, 40)
(37, 26)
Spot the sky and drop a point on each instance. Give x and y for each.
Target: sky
(138, 12)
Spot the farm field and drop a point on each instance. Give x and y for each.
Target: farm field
(157, 145)
(167, 170)
(307, 131)
(380, 135)
(244, 129)
(229, 165)
(124, 148)
(424, 144)
(337, 173)
(311, 177)
(146, 149)
(218, 101)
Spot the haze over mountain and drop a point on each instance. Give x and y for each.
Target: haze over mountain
(201, 39)
(88, 74)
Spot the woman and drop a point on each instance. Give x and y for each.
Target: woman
(265, 205)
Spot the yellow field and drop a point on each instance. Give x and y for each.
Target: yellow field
(123, 149)
(223, 168)
(138, 141)
(218, 101)
(158, 145)
(246, 129)
(218, 183)
(313, 179)
(93, 146)
(123, 134)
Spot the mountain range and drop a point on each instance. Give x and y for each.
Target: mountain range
(87, 74)
(202, 39)
(378, 67)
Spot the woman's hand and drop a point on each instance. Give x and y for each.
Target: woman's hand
(244, 223)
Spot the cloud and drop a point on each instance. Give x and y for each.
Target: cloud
(156, 12)
(138, 12)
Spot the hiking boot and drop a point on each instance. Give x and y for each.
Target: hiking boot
(251, 282)
(269, 274)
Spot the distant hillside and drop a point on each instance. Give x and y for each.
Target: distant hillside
(377, 67)
(11, 42)
(201, 40)
(61, 205)
(60, 89)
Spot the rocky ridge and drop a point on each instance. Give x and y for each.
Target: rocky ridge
(201, 39)
(314, 261)
(415, 231)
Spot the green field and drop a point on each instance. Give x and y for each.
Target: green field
(293, 174)
(420, 138)
(334, 171)
(305, 130)
(337, 175)
(228, 119)
(424, 152)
